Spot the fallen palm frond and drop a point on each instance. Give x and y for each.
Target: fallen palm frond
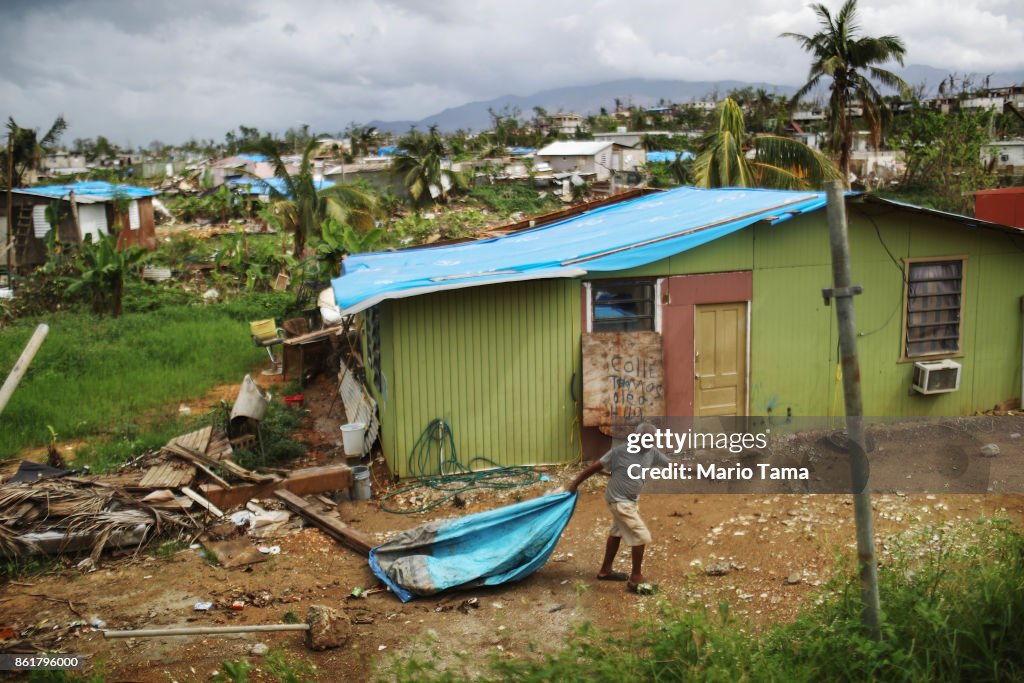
(58, 516)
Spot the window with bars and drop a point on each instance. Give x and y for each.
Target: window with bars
(622, 306)
(934, 308)
(371, 319)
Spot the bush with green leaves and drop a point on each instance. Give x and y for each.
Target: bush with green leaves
(509, 198)
(102, 271)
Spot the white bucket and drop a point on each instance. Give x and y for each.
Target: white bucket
(352, 436)
(362, 487)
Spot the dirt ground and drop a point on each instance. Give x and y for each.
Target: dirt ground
(772, 552)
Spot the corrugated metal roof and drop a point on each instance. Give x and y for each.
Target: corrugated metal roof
(611, 238)
(87, 192)
(574, 148)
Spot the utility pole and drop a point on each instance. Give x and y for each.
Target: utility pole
(843, 292)
(10, 207)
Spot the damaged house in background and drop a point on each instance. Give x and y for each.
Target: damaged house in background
(686, 302)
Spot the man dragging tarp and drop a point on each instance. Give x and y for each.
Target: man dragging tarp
(621, 495)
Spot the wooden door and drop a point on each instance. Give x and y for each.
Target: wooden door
(720, 359)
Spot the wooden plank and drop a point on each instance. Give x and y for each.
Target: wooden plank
(236, 552)
(203, 503)
(623, 377)
(219, 446)
(334, 528)
(302, 482)
(182, 453)
(168, 475)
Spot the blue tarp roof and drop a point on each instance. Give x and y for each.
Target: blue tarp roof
(262, 186)
(255, 158)
(655, 156)
(611, 238)
(94, 190)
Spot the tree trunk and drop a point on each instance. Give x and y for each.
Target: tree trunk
(117, 296)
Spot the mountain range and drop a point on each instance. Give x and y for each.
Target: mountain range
(589, 99)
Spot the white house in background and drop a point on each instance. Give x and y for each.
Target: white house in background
(566, 123)
(1006, 156)
(600, 158)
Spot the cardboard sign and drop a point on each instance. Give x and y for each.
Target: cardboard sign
(623, 377)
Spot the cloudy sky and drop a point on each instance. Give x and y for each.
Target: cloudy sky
(139, 71)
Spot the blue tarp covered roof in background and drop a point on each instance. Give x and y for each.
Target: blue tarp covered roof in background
(656, 156)
(611, 238)
(87, 191)
(263, 185)
(255, 158)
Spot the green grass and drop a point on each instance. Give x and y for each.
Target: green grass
(122, 379)
(509, 198)
(953, 603)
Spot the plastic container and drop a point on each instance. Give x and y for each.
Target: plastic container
(362, 487)
(352, 436)
(296, 400)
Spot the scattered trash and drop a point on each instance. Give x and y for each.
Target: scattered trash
(270, 549)
(990, 450)
(202, 606)
(259, 649)
(96, 622)
(238, 605)
(294, 401)
(184, 409)
(357, 592)
(717, 569)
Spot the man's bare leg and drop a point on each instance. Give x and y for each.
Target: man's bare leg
(637, 577)
(611, 549)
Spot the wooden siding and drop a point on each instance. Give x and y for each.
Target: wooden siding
(494, 362)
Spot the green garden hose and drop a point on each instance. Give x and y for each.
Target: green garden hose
(435, 463)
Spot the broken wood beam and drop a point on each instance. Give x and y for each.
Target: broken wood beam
(304, 482)
(334, 528)
(183, 453)
(203, 503)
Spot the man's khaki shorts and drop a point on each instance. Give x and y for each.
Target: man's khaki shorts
(627, 525)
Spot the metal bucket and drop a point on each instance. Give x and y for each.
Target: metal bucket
(362, 487)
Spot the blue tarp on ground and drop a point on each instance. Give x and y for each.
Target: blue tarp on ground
(611, 238)
(485, 549)
(95, 190)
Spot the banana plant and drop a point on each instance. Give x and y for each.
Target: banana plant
(103, 269)
(339, 239)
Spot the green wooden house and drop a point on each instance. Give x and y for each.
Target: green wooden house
(490, 336)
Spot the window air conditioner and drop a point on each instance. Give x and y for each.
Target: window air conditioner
(936, 376)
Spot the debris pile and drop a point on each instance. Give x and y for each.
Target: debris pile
(70, 514)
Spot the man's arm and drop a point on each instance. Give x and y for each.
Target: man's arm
(587, 472)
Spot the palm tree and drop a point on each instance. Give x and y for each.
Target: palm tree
(841, 54)
(778, 162)
(28, 149)
(302, 207)
(419, 166)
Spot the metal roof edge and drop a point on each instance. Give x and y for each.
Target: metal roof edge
(967, 221)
